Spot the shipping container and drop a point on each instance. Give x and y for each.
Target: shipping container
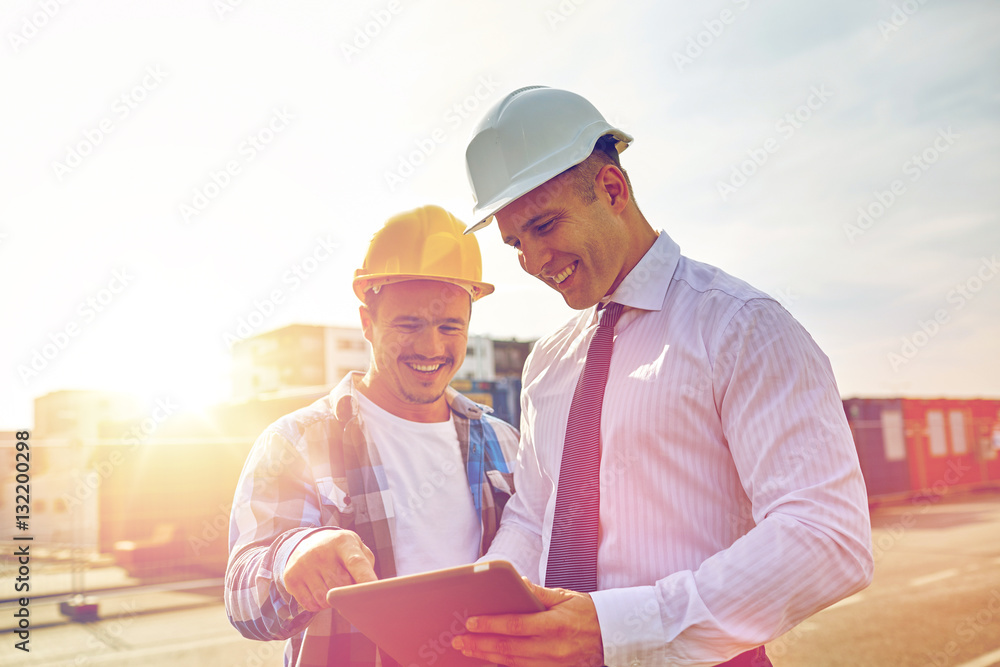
(877, 427)
(986, 436)
(937, 440)
(920, 445)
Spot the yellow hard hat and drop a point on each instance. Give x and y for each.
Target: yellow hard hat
(426, 243)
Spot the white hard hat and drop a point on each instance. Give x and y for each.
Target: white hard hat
(529, 137)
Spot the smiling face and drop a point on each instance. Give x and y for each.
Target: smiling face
(419, 331)
(580, 249)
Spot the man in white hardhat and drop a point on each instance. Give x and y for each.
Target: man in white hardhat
(392, 473)
(688, 487)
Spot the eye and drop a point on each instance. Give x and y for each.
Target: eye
(408, 328)
(541, 229)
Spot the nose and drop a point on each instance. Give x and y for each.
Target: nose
(429, 342)
(534, 256)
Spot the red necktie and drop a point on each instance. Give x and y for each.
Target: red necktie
(573, 547)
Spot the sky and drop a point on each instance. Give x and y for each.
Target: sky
(176, 174)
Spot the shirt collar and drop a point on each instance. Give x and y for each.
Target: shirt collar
(645, 286)
(463, 406)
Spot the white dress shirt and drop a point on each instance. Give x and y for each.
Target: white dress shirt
(732, 502)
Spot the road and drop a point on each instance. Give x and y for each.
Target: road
(935, 598)
(934, 602)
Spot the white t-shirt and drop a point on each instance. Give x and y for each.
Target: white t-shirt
(436, 521)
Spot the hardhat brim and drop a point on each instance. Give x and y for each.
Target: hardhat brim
(487, 211)
(362, 284)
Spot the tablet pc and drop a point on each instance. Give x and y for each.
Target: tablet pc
(414, 618)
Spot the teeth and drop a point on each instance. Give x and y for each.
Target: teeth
(425, 368)
(564, 274)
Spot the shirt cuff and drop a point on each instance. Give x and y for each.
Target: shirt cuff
(630, 624)
(281, 560)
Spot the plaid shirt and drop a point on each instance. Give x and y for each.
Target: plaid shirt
(314, 469)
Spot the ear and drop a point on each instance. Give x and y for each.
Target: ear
(366, 323)
(611, 186)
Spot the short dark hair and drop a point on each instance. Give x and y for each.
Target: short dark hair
(583, 174)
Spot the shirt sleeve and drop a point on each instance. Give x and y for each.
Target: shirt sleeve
(274, 509)
(785, 426)
(519, 538)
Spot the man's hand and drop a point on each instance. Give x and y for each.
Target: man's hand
(324, 560)
(568, 633)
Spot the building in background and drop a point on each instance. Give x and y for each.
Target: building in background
(491, 375)
(296, 356)
(509, 357)
(64, 480)
(489, 360)
(478, 364)
(80, 413)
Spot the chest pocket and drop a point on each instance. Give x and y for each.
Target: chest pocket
(336, 507)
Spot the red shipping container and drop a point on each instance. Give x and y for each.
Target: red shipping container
(986, 435)
(942, 448)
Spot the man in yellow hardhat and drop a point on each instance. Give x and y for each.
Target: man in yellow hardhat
(392, 473)
(688, 488)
